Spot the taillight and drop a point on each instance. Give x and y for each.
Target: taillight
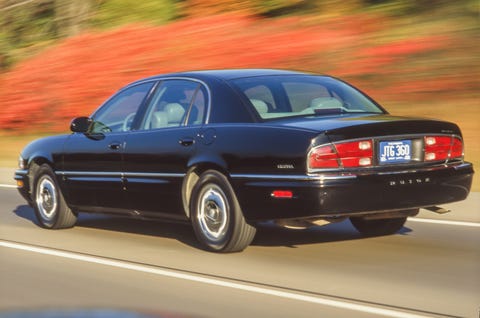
(355, 154)
(440, 148)
(352, 154)
(323, 157)
(457, 148)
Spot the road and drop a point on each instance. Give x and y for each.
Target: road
(428, 270)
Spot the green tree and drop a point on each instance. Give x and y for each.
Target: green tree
(72, 16)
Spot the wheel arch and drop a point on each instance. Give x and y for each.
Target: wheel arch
(192, 177)
(34, 164)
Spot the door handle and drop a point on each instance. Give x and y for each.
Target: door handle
(186, 141)
(114, 146)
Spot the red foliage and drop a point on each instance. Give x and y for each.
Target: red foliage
(409, 46)
(74, 77)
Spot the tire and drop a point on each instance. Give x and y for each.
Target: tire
(216, 216)
(377, 227)
(49, 204)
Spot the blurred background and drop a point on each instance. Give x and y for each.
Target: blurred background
(62, 58)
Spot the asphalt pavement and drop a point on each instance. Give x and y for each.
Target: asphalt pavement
(430, 269)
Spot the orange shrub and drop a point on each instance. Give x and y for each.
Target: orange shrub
(75, 76)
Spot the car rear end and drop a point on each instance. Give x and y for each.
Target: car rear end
(390, 163)
(362, 160)
(383, 165)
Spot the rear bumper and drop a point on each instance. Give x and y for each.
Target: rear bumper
(350, 194)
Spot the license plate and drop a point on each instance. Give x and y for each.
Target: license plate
(399, 151)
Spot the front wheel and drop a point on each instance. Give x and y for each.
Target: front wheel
(376, 227)
(50, 206)
(216, 216)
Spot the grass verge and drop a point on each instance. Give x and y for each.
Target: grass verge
(11, 146)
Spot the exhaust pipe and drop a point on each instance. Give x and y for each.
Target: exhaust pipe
(437, 209)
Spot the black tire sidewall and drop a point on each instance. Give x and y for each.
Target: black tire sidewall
(378, 227)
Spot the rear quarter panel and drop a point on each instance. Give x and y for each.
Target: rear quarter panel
(259, 148)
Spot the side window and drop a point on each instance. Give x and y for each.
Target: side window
(117, 114)
(172, 102)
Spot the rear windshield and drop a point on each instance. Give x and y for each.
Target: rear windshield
(303, 95)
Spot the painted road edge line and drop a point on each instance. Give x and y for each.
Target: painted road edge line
(7, 186)
(444, 222)
(211, 281)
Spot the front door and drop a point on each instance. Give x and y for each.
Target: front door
(93, 160)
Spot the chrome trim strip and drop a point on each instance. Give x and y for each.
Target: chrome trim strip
(464, 165)
(120, 174)
(346, 176)
(21, 172)
(294, 177)
(455, 166)
(310, 177)
(89, 173)
(153, 175)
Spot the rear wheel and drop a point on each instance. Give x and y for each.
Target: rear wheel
(376, 227)
(216, 216)
(50, 206)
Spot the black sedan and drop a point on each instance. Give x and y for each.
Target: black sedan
(227, 149)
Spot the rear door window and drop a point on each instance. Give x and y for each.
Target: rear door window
(175, 103)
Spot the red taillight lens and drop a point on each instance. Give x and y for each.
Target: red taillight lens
(439, 148)
(323, 157)
(282, 194)
(352, 154)
(457, 148)
(355, 154)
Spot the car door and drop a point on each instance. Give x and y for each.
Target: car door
(157, 153)
(93, 160)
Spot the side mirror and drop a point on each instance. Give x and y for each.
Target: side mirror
(80, 124)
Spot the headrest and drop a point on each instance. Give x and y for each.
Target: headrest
(260, 105)
(174, 112)
(325, 102)
(159, 120)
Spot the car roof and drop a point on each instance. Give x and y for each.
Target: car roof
(229, 74)
(224, 74)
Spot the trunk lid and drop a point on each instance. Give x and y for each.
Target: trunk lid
(361, 126)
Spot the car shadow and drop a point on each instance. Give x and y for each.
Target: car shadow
(268, 234)
(26, 212)
(181, 232)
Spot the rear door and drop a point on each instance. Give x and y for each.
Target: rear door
(93, 161)
(157, 154)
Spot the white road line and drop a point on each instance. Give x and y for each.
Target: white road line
(444, 222)
(7, 186)
(211, 281)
